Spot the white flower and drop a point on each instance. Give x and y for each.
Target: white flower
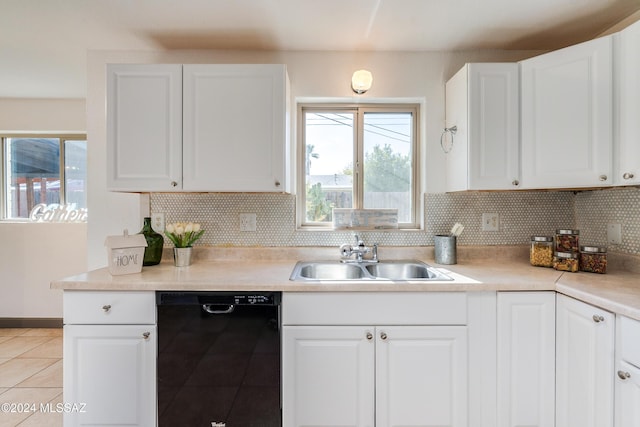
(180, 229)
(188, 228)
(170, 228)
(196, 227)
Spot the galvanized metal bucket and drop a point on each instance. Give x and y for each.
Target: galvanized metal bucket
(445, 249)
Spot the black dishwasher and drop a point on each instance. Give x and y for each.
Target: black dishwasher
(219, 359)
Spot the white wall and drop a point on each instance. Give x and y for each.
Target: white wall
(32, 255)
(418, 76)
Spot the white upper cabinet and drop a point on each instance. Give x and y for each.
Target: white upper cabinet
(144, 127)
(567, 117)
(235, 127)
(482, 102)
(214, 127)
(627, 106)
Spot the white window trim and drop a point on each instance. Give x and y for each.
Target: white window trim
(301, 223)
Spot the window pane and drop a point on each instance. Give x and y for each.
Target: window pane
(33, 174)
(75, 168)
(387, 162)
(328, 164)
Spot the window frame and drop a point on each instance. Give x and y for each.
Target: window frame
(62, 138)
(359, 111)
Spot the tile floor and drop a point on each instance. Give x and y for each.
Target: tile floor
(30, 373)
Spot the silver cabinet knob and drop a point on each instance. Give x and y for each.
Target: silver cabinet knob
(369, 336)
(515, 182)
(174, 184)
(383, 336)
(106, 308)
(602, 177)
(624, 375)
(146, 335)
(597, 318)
(627, 175)
(277, 183)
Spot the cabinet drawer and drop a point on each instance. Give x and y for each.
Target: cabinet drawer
(629, 338)
(381, 308)
(104, 307)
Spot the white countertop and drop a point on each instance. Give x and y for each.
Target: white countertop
(617, 291)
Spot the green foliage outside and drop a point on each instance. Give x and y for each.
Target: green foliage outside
(386, 171)
(318, 207)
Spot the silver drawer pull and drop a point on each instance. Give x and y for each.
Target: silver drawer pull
(515, 182)
(106, 308)
(369, 336)
(146, 335)
(383, 336)
(624, 375)
(627, 175)
(603, 177)
(597, 318)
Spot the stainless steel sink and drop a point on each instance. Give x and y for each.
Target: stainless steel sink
(383, 270)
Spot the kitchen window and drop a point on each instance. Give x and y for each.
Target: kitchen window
(42, 170)
(359, 157)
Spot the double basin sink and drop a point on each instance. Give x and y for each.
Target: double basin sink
(366, 271)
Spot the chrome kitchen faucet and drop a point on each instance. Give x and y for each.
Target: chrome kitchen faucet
(359, 250)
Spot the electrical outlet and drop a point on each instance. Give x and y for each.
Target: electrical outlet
(614, 234)
(247, 222)
(157, 222)
(490, 222)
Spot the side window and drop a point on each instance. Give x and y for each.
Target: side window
(49, 170)
(358, 157)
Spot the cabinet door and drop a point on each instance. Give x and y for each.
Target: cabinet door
(584, 365)
(234, 127)
(144, 127)
(328, 376)
(627, 395)
(111, 369)
(421, 376)
(526, 359)
(567, 117)
(627, 106)
(483, 102)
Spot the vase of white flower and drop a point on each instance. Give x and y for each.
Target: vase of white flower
(183, 235)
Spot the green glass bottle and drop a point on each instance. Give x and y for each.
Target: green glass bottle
(155, 243)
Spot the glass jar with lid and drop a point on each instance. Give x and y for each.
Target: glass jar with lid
(567, 240)
(541, 251)
(593, 259)
(565, 261)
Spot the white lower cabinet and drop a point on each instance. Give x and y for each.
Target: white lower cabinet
(627, 375)
(526, 359)
(584, 364)
(375, 375)
(426, 362)
(110, 367)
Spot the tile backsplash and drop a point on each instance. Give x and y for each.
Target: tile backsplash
(522, 214)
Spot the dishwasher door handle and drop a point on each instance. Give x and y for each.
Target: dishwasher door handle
(208, 309)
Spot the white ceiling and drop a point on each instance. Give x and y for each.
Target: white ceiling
(43, 43)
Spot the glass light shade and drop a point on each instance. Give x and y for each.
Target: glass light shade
(361, 81)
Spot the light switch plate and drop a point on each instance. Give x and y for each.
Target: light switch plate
(614, 234)
(157, 222)
(248, 222)
(490, 222)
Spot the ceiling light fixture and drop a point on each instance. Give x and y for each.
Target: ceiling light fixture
(361, 81)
